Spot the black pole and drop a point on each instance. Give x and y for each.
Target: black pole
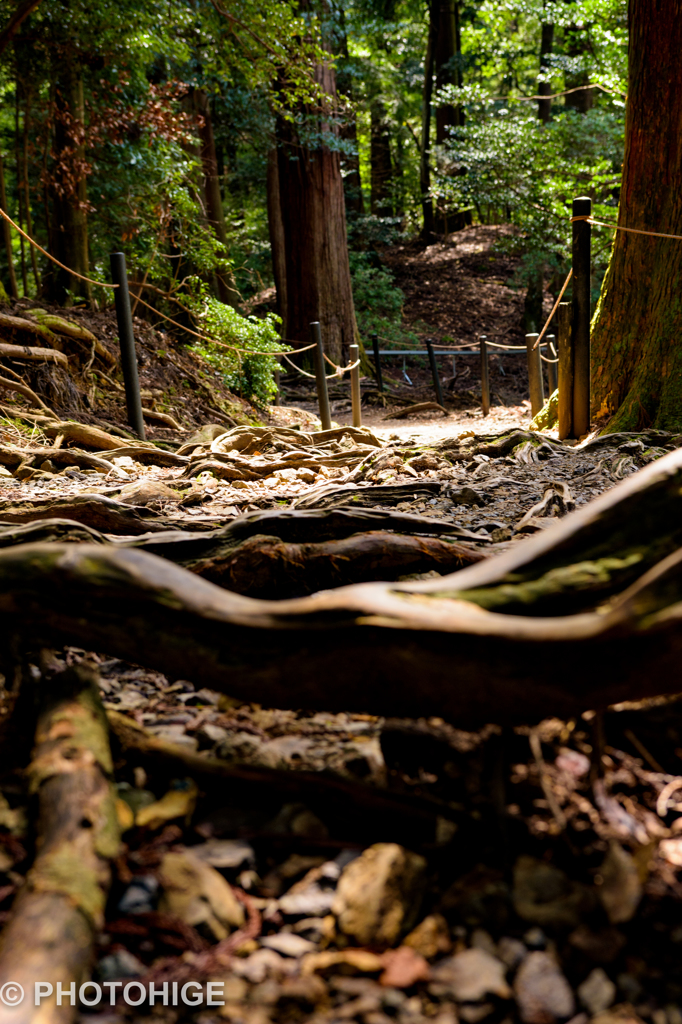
(582, 239)
(321, 377)
(434, 371)
(485, 377)
(377, 361)
(565, 372)
(126, 342)
(535, 386)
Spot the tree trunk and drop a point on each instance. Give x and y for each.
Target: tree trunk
(226, 287)
(447, 53)
(276, 231)
(348, 131)
(380, 160)
(545, 87)
(575, 45)
(70, 227)
(318, 284)
(7, 235)
(636, 353)
(425, 161)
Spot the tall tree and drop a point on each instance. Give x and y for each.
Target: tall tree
(636, 351)
(544, 85)
(380, 159)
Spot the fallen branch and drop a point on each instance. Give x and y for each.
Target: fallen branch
(417, 408)
(24, 389)
(26, 353)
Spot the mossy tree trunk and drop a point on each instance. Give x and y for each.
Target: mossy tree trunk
(636, 353)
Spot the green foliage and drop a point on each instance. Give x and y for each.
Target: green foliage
(250, 374)
(378, 302)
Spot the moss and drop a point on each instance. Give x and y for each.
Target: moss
(548, 415)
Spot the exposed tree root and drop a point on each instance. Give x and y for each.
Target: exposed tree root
(407, 649)
(55, 918)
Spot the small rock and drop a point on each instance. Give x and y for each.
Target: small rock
(379, 894)
(403, 967)
(466, 496)
(430, 938)
(573, 763)
(206, 434)
(120, 964)
(208, 735)
(360, 960)
(472, 975)
(542, 993)
(198, 894)
(544, 895)
(597, 992)
(602, 946)
(288, 944)
(140, 896)
(511, 952)
(481, 939)
(472, 1013)
(621, 889)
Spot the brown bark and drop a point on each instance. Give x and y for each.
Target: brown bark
(70, 193)
(227, 289)
(380, 160)
(314, 219)
(515, 638)
(7, 234)
(425, 157)
(56, 916)
(447, 52)
(636, 355)
(276, 231)
(582, 101)
(545, 88)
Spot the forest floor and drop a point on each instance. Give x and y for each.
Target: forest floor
(380, 869)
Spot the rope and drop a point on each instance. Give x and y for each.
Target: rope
(617, 227)
(100, 284)
(509, 348)
(221, 344)
(330, 376)
(554, 309)
(546, 360)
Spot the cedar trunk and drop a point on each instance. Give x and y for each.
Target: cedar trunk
(636, 354)
(70, 228)
(318, 284)
(225, 283)
(380, 160)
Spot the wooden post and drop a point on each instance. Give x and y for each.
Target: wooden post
(582, 239)
(537, 392)
(485, 378)
(278, 395)
(552, 368)
(434, 371)
(565, 371)
(377, 361)
(355, 386)
(126, 342)
(321, 377)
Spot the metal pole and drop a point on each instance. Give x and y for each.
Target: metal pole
(582, 240)
(485, 379)
(552, 368)
(565, 371)
(355, 387)
(537, 397)
(320, 377)
(434, 371)
(377, 361)
(126, 342)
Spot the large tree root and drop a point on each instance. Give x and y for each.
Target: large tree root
(55, 918)
(407, 649)
(261, 554)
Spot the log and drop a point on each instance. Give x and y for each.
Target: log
(419, 407)
(411, 649)
(56, 916)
